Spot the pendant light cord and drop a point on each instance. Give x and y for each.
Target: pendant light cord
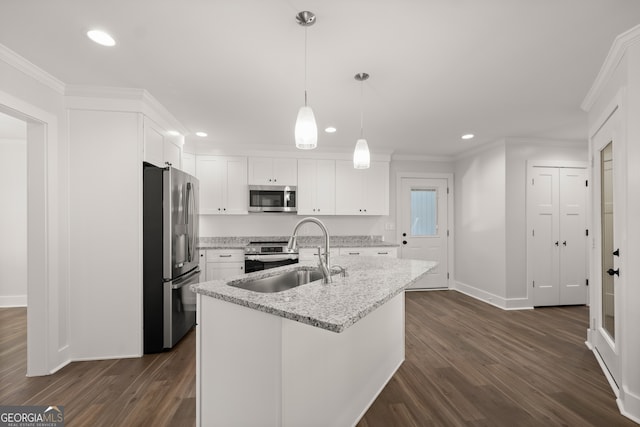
(305, 66)
(361, 109)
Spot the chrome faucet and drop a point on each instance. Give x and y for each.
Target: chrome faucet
(324, 263)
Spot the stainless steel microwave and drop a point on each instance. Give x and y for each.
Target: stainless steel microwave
(272, 198)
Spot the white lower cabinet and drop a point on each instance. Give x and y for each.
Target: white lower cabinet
(370, 251)
(311, 254)
(223, 263)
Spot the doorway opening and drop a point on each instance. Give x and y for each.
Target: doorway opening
(45, 354)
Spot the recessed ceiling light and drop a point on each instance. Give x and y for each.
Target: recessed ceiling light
(468, 136)
(330, 129)
(101, 37)
(201, 134)
(173, 133)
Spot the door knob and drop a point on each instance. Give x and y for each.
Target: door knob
(616, 252)
(557, 243)
(564, 243)
(611, 272)
(404, 242)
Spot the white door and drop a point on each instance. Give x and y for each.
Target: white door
(544, 243)
(557, 240)
(573, 236)
(424, 227)
(608, 268)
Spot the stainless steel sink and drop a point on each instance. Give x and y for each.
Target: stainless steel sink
(279, 282)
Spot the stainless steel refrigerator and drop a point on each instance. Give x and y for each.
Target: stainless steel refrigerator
(170, 256)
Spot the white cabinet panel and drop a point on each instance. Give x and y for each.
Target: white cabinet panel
(223, 263)
(272, 171)
(153, 144)
(370, 251)
(160, 148)
(362, 191)
(172, 153)
(316, 187)
(189, 163)
(223, 185)
(311, 254)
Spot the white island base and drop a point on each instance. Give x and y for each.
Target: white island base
(258, 369)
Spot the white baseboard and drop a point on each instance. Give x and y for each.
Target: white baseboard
(13, 301)
(629, 405)
(495, 300)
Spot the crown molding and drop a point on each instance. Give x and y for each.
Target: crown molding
(615, 55)
(546, 141)
(502, 142)
(422, 158)
(122, 99)
(30, 69)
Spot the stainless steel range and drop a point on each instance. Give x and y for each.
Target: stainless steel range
(264, 255)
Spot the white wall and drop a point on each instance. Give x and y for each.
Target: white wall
(518, 152)
(105, 234)
(480, 230)
(13, 222)
(271, 224)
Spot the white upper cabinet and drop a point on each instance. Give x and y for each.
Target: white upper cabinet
(316, 187)
(161, 148)
(223, 184)
(362, 191)
(189, 163)
(272, 171)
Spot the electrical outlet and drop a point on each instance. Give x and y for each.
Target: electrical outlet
(390, 226)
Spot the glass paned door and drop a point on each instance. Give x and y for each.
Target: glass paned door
(424, 213)
(606, 215)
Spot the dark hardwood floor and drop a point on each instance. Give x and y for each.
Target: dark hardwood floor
(467, 364)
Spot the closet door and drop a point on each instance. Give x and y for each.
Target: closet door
(573, 237)
(543, 251)
(556, 249)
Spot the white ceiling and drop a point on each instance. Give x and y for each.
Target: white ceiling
(439, 68)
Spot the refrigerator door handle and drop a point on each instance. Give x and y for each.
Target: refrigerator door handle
(186, 280)
(189, 221)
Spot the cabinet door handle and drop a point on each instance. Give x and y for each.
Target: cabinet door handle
(616, 252)
(611, 272)
(564, 243)
(224, 256)
(383, 253)
(557, 243)
(354, 253)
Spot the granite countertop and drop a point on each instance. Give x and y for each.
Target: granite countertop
(303, 241)
(372, 281)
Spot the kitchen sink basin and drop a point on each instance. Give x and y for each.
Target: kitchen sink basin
(279, 282)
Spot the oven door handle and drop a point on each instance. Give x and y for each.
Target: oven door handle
(270, 258)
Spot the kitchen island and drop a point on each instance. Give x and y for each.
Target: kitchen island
(317, 354)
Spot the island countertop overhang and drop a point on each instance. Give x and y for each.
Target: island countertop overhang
(371, 282)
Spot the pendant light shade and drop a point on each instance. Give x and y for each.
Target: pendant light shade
(361, 156)
(306, 130)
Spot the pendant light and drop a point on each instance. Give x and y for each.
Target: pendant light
(306, 131)
(361, 157)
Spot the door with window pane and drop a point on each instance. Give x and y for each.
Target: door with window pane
(423, 227)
